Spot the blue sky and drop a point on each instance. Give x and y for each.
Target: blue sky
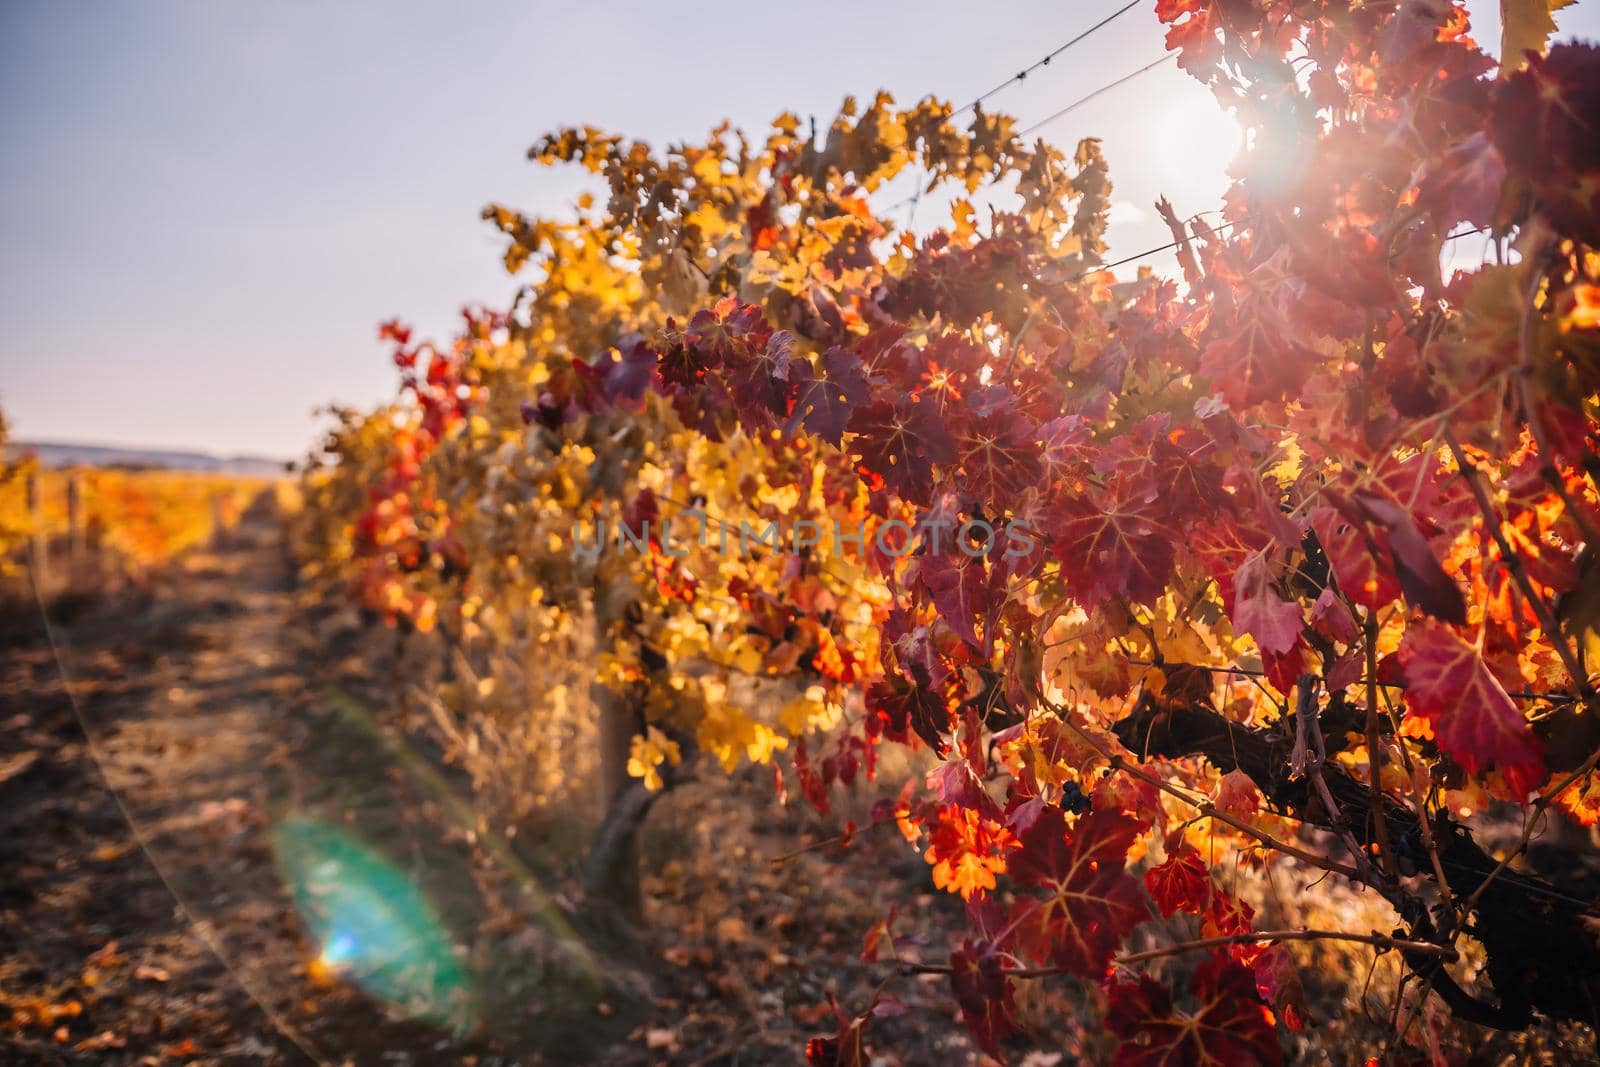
(205, 209)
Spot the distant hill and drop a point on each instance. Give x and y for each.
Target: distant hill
(72, 454)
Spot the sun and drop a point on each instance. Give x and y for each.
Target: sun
(1202, 138)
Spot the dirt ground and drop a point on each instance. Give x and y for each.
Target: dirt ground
(151, 756)
(149, 922)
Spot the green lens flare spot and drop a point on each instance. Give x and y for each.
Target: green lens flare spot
(370, 925)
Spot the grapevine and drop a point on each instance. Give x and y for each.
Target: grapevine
(1284, 560)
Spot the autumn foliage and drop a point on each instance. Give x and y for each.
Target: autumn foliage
(1307, 575)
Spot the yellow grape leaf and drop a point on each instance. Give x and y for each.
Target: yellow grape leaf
(1525, 26)
(1578, 312)
(1581, 801)
(648, 753)
(808, 711)
(1291, 462)
(763, 743)
(744, 655)
(726, 733)
(964, 217)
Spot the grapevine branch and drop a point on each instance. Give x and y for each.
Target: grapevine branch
(1375, 754)
(1254, 672)
(1533, 932)
(1384, 942)
(1205, 808)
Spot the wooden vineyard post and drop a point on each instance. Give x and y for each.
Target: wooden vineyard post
(77, 527)
(219, 525)
(38, 541)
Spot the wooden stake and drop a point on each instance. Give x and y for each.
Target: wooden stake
(39, 542)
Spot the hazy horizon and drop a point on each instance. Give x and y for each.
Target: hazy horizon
(91, 444)
(209, 209)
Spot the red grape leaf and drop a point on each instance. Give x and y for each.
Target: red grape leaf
(1283, 670)
(999, 457)
(1468, 183)
(628, 377)
(1182, 882)
(954, 784)
(1114, 544)
(903, 705)
(1260, 611)
(824, 402)
(1093, 902)
(1237, 794)
(1253, 362)
(1364, 568)
(966, 850)
(847, 1047)
(1474, 721)
(1231, 1026)
(984, 993)
(1331, 618)
(1195, 38)
(1278, 982)
(1133, 795)
(1423, 581)
(1544, 124)
(961, 591)
(899, 442)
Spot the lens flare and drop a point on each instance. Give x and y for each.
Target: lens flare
(372, 927)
